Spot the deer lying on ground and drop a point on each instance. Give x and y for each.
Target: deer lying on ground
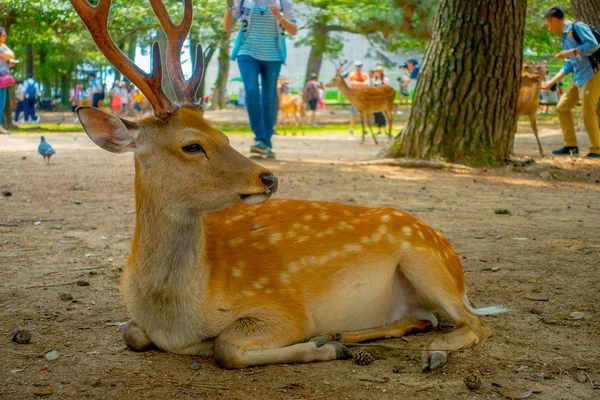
(532, 76)
(291, 106)
(367, 100)
(216, 269)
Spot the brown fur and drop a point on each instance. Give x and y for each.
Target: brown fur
(291, 107)
(532, 76)
(367, 101)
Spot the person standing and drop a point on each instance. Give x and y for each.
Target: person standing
(578, 43)
(96, 89)
(311, 97)
(75, 97)
(379, 79)
(357, 80)
(32, 92)
(413, 67)
(124, 98)
(260, 51)
(116, 100)
(6, 54)
(20, 98)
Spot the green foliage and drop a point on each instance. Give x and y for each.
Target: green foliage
(539, 43)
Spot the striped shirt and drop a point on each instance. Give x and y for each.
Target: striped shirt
(262, 38)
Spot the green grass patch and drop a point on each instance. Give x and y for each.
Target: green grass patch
(48, 128)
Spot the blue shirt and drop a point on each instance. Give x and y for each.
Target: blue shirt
(414, 74)
(579, 65)
(243, 11)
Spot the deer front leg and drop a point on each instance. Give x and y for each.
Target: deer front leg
(397, 329)
(252, 341)
(533, 122)
(135, 338)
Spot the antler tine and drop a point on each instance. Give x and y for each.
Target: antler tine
(96, 20)
(176, 35)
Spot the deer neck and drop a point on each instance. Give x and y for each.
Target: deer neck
(345, 90)
(167, 250)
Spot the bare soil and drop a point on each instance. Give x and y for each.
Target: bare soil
(73, 221)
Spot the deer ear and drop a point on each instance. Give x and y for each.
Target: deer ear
(108, 131)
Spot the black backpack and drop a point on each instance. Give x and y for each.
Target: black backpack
(594, 59)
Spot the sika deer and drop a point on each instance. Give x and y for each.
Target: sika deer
(366, 100)
(214, 270)
(532, 76)
(291, 106)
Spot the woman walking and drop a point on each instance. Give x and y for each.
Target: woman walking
(260, 51)
(379, 79)
(6, 55)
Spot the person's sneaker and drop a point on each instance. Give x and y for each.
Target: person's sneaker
(37, 119)
(259, 148)
(566, 151)
(351, 132)
(269, 153)
(593, 155)
(15, 122)
(4, 131)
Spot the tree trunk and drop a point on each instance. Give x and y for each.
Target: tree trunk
(29, 61)
(588, 11)
(319, 44)
(466, 96)
(219, 95)
(208, 55)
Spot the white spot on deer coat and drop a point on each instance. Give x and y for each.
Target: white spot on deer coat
(275, 237)
(406, 231)
(237, 272)
(385, 218)
(352, 247)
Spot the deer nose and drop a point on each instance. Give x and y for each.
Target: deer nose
(270, 181)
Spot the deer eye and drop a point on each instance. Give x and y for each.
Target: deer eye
(193, 149)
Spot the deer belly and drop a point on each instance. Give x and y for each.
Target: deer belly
(364, 301)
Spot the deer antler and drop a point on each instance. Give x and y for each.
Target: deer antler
(342, 67)
(96, 20)
(185, 90)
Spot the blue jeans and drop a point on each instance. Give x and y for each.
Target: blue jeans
(29, 110)
(260, 101)
(2, 104)
(20, 109)
(96, 99)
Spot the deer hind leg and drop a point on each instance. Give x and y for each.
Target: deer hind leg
(388, 116)
(397, 329)
(135, 338)
(253, 341)
(533, 122)
(437, 286)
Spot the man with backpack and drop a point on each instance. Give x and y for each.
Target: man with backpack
(582, 58)
(32, 92)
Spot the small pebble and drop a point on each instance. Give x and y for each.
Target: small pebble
(82, 283)
(52, 355)
(6, 193)
(24, 158)
(502, 211)
(195, 366)
(65, 296)
(398, 370)
(20, 336)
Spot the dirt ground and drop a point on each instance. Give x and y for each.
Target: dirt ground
(73, 220)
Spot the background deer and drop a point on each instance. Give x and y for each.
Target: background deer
(291, 107)
(532, 76)
(366, 100)
(214, 269)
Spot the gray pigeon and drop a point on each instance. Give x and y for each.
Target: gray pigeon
(45, 149)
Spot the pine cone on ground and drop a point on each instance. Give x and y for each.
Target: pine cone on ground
(363, 358)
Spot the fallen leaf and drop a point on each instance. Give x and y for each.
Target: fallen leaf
(577, 315)
(524, 395)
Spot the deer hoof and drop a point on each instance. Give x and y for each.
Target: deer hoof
(434, 361)
(135, 338)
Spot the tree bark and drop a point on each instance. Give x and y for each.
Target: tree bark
(317, 49)
(588, 11)
(218, 101)
(466, 96)
(29, 61)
